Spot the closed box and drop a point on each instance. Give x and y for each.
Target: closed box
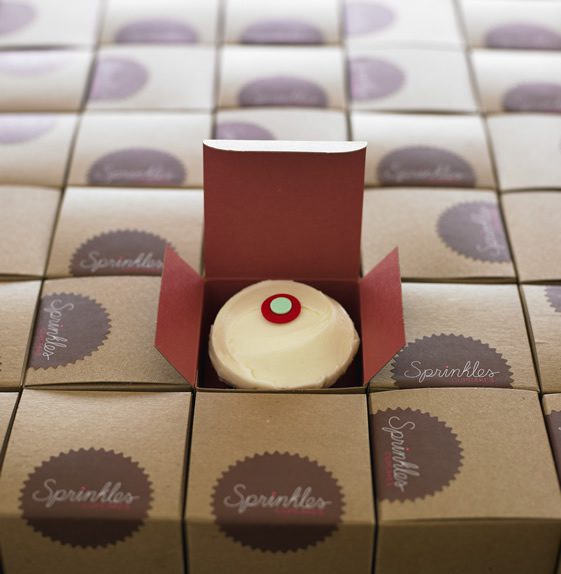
(8, 403)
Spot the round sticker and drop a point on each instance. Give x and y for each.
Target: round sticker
(156, 31)
(117, 78)
(523, 36)
(373, 78)
(15, 16)
(281, 31)
(553, 295)
(282, 91)
(242, 131)
(363, 18)
(534, 97)
(21, 128)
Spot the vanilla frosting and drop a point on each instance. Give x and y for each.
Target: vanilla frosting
(309, 352)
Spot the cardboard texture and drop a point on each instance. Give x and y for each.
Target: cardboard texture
(290, 22)
(281, 124)
(153, 78)
(47, 23)
(461, 336)
(117, 346)
(552, 411)
(7, 405)
(406, 79)
(17, 308)
(512, 25)
(455, 511)
(325, 446)
(140, 150)
(43, 80)
(424, 150)
(125, 231)
(515, 81)
(109, 443)
(167, 22)
(27, 220)
(41, 139)
(289, 76)
(442, 235)
(522, 166)
(431, 23)
(533, 225)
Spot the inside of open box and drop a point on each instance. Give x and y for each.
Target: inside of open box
(218, 291)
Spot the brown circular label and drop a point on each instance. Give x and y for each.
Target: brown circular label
(156, 31)
(282, 91)
(373, 78)
(87, 498)
(415, 454)
(475, 229)
(553, 295)
(534, 97)
(242, 131)
(281, 31)
(425, 166)
(450, 361)
(15, 15)
(21, 128)
(277, 502)
(121, 252)
(69, 327)
(367, 17)
(117, 78)
(523, 36)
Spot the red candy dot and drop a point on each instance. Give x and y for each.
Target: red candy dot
(281, 308)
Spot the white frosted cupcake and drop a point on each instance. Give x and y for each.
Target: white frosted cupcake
(282, 335)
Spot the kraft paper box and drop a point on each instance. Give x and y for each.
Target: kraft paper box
(513, 25)
(165, 22)
(267, 496)
(125, 231)
(7, 405)
(533, 225)
(424, 150)
(27, 220)
(526, 150)
(98, 332)
(153, 78)
(461, 336)
(312, 236)
(407, 79)
(140, 150)
(543, 306)
(41, 141)
(465, 483)
(43, 80)
(431, 23)
(281, 124)
(552, 411)
(285, 23)
(17, 309)
(87, 487)
(46, 23)
(282, 76)
(514, 81)
(446, 234)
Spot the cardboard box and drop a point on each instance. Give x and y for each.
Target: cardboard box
(431, 23)
(88, 487)
(43, 80)
(243, 448)
(465, 483)
(424, 150)
(281, 124)
(289, 22)
(140, 150)
(533, 225)
(43, 140)
(7, 405)
(526, 150)
(513, 25)
(543, 308)
(27, 221)
(125, 231)
(407, 79)
(461, 336)
(322, 190)
(98, 332)
(47, 23)
(291, 76)
(153, 78)
(552, 410)
(17, 309)
(442, 235)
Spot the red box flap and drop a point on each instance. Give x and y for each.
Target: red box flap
(283, 209)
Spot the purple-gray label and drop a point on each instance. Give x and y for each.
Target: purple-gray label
(157, 31)
(14, 16)
(366, 18)
(21, 128)
(533, 97)
(425, 166)
(373, 78)
(32, 62)
(281, 31)
(553, 294)
(282, 91)
(523, 36)
(138, 166)
(117, 78)
(241, 131)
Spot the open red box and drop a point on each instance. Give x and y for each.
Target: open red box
(280, 210)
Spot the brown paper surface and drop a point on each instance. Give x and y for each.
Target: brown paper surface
(7, 404)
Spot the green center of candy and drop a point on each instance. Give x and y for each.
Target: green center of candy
(281, 305)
